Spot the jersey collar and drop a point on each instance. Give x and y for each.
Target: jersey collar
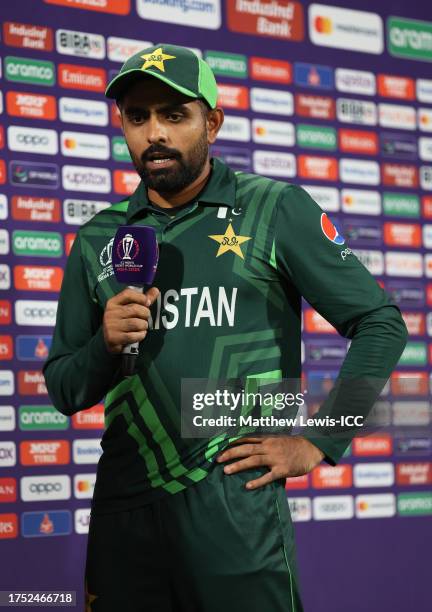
(219, 190)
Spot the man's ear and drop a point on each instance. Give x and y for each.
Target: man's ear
(215, 119)
(119, 112)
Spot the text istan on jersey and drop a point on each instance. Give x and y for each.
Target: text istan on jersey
(194, 306)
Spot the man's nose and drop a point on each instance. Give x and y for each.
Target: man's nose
(156, 130)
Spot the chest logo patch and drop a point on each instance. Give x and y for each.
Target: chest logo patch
(230, 242)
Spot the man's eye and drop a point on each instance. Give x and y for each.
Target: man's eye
(136, 119)
(175, 117)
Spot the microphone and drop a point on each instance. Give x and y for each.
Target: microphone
(135, 256)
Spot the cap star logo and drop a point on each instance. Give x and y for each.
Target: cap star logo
(230, 242)
(156, 58)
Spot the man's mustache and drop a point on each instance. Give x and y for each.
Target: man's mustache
(146, 156)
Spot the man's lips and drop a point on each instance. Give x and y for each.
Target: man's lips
(159, 163)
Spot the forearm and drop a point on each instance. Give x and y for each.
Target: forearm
(377, 344)
(81, 379)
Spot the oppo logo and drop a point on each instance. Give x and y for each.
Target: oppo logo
(35, 312)
(32, 140)
(36, 488)
(47, 487)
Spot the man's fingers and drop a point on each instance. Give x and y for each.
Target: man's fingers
(130, 311)
(247, 440)
(131, 337)
(132, 325)
(261, 481)
(240, 450)
(152, 294)
(129, 296)
(244, 464)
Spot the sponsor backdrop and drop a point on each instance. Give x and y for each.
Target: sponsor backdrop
(337, 99)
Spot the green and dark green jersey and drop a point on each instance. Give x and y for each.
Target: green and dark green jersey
(232, 269)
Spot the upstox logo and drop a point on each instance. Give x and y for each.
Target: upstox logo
(26, 70)
(44, 244)
(409, 38)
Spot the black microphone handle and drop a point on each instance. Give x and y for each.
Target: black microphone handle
(130, 351)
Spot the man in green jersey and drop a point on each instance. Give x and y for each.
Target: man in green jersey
(189, 524)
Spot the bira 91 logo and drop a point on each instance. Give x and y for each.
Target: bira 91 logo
(80, 44)
(275, 18)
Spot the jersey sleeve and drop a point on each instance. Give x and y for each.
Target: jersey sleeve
(79, 369)
(309, 251)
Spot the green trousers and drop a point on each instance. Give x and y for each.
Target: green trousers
(214, 547)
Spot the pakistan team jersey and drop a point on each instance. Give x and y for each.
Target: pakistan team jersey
(232, 269)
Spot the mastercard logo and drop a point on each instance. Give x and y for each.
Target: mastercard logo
(83, 485)
(260, 131)
(424, 120)
(362, 505)
(348, 200)
(323, 25)
(70, 143)
(330, 231)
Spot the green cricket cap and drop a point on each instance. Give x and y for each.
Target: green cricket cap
(178, 67)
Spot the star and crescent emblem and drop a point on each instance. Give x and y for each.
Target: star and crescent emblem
(230, 242)
(156, 58)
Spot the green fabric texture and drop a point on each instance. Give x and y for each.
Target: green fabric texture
(214, 546)
(233, 267)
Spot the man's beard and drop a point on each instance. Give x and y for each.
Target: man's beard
(181, 175)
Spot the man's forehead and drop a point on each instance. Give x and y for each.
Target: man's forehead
(151, 92)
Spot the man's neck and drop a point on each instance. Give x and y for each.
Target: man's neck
(186, 195)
